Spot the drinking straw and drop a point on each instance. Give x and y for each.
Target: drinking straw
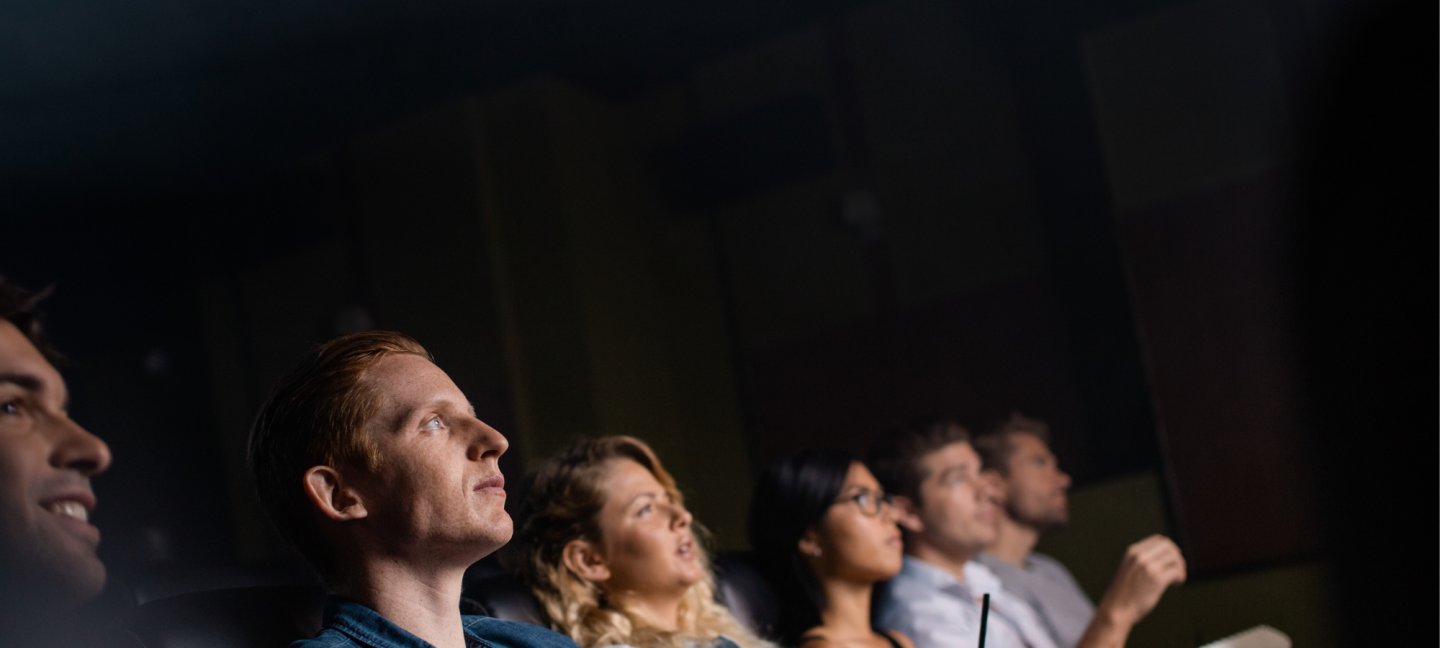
(984, 616)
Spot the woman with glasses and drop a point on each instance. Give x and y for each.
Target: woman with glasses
(824, 533)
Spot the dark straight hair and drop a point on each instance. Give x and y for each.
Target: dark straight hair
(793, 496)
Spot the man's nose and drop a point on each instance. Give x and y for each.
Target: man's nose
(1064, 478)
(79, 450)
(486, 443)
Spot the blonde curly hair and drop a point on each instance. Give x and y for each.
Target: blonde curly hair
(564, 505)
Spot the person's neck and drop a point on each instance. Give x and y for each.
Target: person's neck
(662, 612)
(1013, 541)
(422, 599)
(950, 559)
(846, 616)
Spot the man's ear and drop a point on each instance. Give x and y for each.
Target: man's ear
(996, 485)
(584, 559)
(329, 493)
(907, 514)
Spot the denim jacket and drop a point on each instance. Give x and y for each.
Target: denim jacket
(349, 624)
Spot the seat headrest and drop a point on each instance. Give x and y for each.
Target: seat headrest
(504, 597)
(739, 586)
(749, 596)
(246, 617)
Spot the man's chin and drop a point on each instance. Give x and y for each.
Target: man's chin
(55, 583)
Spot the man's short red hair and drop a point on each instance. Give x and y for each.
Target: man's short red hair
(316, 416)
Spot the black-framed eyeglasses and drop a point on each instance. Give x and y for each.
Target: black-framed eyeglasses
(870, 502)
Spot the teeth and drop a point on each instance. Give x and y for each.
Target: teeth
(70, 508)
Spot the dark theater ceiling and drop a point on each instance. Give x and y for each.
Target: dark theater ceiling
(152, 94)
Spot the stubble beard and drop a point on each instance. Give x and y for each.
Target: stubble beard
(1044, 520)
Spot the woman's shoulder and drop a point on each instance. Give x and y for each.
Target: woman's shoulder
(819, 640)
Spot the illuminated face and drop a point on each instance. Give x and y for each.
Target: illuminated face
(1034, 488)
(47, 545)
(957, 507)
(858, 539)
(438, 487)
(645, 537)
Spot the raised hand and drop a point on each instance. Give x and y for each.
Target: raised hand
(1149, 567)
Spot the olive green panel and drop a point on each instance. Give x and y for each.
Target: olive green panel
(1107, 517)
(544, 327)
(612, 308)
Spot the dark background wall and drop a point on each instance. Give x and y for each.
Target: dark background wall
(732, 229)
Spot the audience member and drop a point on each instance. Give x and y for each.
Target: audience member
(48, 564)
(824, 532)
(1033, 501)
(609, 549)
(373, 464)
(948, 514)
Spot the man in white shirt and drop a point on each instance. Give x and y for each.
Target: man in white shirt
(948, 515)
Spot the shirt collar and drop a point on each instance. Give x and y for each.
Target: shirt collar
(978, 578)
(368, 628)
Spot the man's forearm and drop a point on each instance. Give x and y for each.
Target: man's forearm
(1109, 629)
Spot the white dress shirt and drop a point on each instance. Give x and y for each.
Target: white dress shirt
(936, 610)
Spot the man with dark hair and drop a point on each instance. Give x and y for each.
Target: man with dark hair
(1032, 498)
(948, 515)
(372, 462)
(48, 564)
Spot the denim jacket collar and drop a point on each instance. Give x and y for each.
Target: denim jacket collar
(366, 627)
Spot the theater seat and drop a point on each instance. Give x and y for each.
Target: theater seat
(274, 616)
(504, 597)
(246, 617)
(748, 595)
(739, 586)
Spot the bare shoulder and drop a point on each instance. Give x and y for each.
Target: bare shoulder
(818, 640)
(900, 638)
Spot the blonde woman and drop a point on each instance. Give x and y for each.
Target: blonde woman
(609, 549)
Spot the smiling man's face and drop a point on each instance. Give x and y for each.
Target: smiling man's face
(47, 545)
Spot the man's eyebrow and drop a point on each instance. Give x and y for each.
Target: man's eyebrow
(944, 474)
(23, 381)
(31, 382)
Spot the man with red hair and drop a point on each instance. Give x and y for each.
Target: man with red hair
(372, 462)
